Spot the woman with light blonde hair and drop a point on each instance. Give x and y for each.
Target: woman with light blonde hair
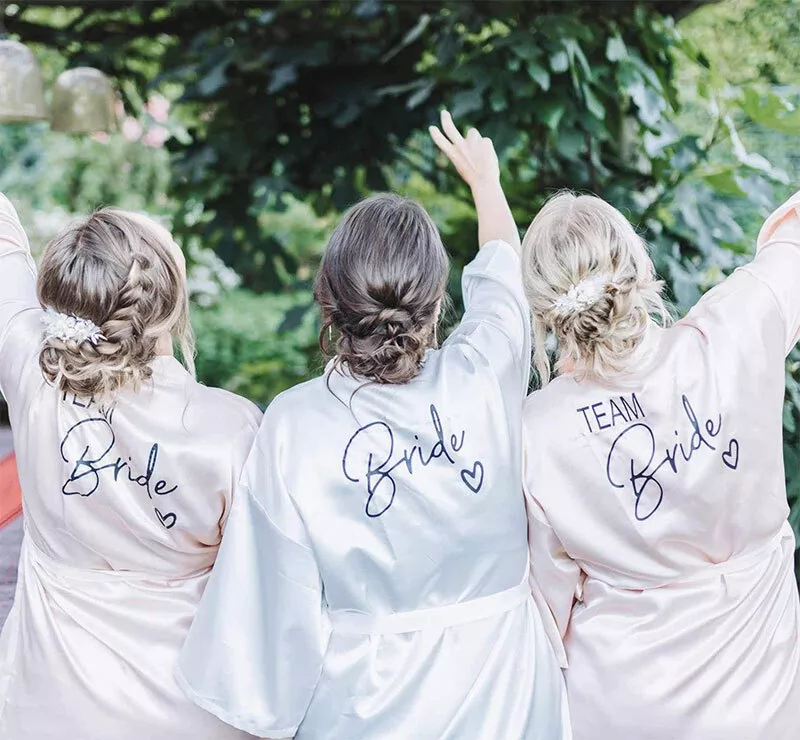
(127, 467)
(655, 483)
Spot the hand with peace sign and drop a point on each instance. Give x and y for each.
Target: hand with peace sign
(473, 156)
(475, 160)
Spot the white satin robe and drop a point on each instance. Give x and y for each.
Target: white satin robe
(372, 582)
(111, 571)
(686, 623)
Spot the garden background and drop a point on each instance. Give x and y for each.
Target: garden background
(249, 125)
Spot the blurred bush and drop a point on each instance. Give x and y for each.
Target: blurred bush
(257, 345)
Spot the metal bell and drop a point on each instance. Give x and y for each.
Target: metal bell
(83, 102)
(21, 90)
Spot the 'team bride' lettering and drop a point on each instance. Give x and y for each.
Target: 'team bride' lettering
(607, 414)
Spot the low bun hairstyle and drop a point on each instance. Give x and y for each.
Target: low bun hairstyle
(582, 240)
(380, 286)
(123, 272)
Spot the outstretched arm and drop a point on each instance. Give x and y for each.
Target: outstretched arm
(475, 160)
(17, 297)
(17, 271)
(496, 321)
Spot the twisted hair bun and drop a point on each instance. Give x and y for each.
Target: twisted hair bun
(380, 286)
(605, 334)
(579, 240)
(120, 271)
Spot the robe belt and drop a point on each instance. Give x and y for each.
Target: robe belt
(740, 562)
(65, 572)
(438, 618)
(734, 564)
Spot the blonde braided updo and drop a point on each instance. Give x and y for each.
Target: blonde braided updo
(590, 281)
(123, 272)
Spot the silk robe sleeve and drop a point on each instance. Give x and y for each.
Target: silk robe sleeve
(756, 310)
(777, 265)
(553, 571)
(254, 653)
(556, 579)
(19, 336)
(496, 325)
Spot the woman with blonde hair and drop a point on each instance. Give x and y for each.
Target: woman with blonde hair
(127, 467)
(373, 581)
(654, 474)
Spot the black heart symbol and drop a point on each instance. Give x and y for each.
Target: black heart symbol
(168, 520)
(731, 456)
(473, 479)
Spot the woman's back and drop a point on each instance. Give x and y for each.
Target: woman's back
(124, 508)
(661, 502)
(414, 487)
(380, 529)
(162, 460)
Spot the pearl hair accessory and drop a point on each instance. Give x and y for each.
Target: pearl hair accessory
(583, 295)
(70, 328)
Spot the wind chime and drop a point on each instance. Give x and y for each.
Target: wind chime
(83, 99)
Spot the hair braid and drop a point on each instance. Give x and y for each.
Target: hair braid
(124, 278)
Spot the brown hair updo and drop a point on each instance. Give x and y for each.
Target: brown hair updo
(380, 285)
(123, 272)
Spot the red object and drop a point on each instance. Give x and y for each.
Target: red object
(10, 492)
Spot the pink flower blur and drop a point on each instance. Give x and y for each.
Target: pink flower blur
(131, 129)
(155, 137)
(158, 108)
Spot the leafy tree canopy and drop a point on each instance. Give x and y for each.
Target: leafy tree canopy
(326, 99)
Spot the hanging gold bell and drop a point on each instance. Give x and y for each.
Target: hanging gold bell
(21, 90)
(83, 102)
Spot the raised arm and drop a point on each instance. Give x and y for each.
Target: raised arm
(475, 160)
(777, 264)
(756, 310)
(496, 321)
(17, 295)
(17, 271)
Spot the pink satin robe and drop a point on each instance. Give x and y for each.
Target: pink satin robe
(658, 520)
(124, 510)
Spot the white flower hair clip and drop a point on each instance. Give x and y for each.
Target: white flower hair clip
(70, 328)
(583, 295)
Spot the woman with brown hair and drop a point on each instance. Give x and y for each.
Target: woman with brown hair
(127, 467)
(373, 582)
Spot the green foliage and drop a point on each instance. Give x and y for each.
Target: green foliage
(256, 345)
(318, 99)
(80, 174)
(750, 41)
(54, 176)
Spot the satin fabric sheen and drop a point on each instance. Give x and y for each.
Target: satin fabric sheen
(307, 546)
(114, 561)
(680, 610)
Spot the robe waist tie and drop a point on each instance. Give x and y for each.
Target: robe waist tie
(72, 573)
(740, 562)
(734, 564)
(439, 617)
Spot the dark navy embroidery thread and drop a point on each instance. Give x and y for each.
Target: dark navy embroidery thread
(641, 473)
(731, 456)
(168, 517)
(473, 479)
(84, 478)
(380, 463)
